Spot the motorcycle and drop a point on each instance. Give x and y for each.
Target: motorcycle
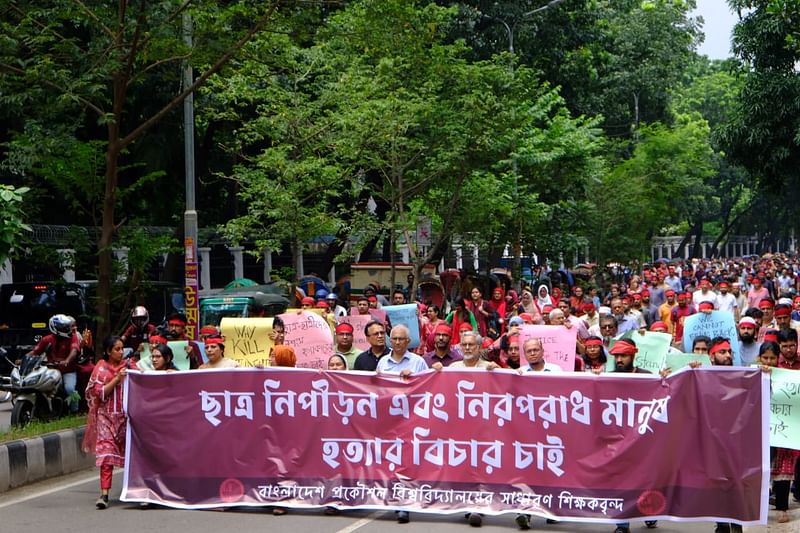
(36, 391)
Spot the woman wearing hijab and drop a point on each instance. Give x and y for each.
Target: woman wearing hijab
(543, 299)
(528, 306)
(498, 305)
(283, 355)
(459, 316)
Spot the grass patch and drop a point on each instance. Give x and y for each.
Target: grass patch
(37, 427)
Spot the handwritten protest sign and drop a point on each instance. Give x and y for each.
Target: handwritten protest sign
(406, 315)
(379, 315)
(310, 336)
(358, 322)
(558, 343)
(785, 409)
(651, 348)
(675, 361)
(714, 324)
(179, 357)
(247, 340)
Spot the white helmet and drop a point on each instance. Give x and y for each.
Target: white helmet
(140, 316)
(61, 325)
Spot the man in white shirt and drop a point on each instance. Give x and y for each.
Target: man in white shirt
(727, 301)
(400, 360)
(705, 294)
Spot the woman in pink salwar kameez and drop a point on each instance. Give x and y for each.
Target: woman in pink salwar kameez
(106, 424)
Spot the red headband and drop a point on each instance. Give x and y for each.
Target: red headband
(209, 330)
(722, 345)
(593, 342)
(766, 304)
(783, 311)
(308, 300)
(344, 327)
(706, 306)
(214, 340)
(177, 322)
(771, 337)
(158, 339)
(623, 348)
(658, 325)
(443, 329)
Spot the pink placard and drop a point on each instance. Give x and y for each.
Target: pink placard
(310, 336)
(558, 343)
(358, 322)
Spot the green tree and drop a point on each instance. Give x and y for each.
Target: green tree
(764, 133)
(665, 181)
(12, 217)
(85, 60)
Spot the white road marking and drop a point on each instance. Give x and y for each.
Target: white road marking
(58, 488)
(363, 522)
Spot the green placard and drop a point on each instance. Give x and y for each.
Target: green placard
(675, 361)
(784, 424)
(652, 347)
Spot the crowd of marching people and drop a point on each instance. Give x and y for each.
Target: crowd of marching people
(482, 332)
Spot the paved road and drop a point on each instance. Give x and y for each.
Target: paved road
(67, 505)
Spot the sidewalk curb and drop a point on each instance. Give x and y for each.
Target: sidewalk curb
(49, 455)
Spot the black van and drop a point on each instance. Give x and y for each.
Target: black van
(25, 309)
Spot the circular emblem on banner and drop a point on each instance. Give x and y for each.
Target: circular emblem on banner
(651, 502)
(231, 490)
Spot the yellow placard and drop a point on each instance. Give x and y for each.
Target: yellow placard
(247, 340)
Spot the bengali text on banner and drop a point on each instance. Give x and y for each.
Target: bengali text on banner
(575, 447)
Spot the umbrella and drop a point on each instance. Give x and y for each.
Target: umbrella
(240, 282)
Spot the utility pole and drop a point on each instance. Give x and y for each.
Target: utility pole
(191, 272)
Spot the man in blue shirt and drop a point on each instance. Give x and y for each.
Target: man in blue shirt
(400, 360)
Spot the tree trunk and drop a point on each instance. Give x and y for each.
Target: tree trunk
(697, 229)
(105, 244)
(680, 252)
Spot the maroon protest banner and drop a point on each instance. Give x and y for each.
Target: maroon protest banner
(569, 446)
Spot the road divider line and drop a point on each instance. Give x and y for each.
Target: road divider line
(363, 522)
(52, 490)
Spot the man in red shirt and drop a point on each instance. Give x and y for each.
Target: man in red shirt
(140, 330)
(679, 314)
(62, 347)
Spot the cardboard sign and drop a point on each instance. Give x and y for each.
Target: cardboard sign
(675, 361)
(310, 336)
(406, 315)
(652, 349)
(247, 340)
(784, 421)
(558, 343)
(714, 324)
(358, 322)
(179, 357)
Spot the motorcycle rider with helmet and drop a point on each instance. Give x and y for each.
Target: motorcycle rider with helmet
(62, 346)
(140, 329)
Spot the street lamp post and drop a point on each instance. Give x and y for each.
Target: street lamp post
(191, 281)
